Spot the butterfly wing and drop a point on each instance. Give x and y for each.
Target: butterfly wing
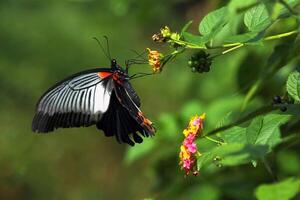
(79, 100)
(127, 117)
(130, 100)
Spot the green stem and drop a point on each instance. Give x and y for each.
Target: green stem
(234, 46)
(274, 37)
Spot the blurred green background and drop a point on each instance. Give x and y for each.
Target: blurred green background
(42, 42)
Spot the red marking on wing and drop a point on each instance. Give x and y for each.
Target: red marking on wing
(104, 74)
(146, 122)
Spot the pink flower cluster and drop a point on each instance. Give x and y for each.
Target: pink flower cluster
(188, 149)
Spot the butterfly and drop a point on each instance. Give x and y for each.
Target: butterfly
(103, 97)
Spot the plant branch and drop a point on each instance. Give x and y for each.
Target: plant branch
(274, 37)
(236, 45)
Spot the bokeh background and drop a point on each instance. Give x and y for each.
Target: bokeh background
(42, 42)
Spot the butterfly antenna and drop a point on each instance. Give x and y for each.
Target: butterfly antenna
(102, 48)
(107, 46)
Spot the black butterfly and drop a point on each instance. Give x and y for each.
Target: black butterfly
(103, 97)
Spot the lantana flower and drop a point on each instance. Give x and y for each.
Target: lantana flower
(188, 150)
(154, 59)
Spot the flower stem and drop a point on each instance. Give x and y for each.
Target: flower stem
(233, 48)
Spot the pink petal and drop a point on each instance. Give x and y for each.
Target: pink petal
(189, 139)
(197, 121)
(192, 148)
(187, 164)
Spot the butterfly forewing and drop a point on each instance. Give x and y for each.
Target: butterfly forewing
(77, 101)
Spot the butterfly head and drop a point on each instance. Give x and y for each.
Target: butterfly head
(114, 64)
(118, 69)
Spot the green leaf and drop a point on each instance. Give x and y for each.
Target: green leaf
(195, 39)
(225, 120)
(236, 5)
(257, 18)
(251, 37)
(213, 22)
(186, 26)
(254, 129)
(263, 130)
(269, 133)
(205, 159)
(232, 154)
(234, 135)
(283, 190)
(293, 85)
(241, 154)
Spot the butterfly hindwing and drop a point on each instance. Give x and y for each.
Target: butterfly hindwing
(126, 116)
(79, 100)
(128, 98)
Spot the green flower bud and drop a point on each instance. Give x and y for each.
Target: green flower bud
(165, 32)
(175, 36)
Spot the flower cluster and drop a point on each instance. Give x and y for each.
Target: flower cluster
(188, 150)
(165, 35)
(154, 59)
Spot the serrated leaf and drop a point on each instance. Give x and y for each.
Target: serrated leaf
(224, 120)
(293, 85)
(205, 159)
(254, 129)
(232, 154)
(244, 154)
(283, 190)
(234, 135)
(257, 18)
(213, 22)
(263, 130)
(269, 133)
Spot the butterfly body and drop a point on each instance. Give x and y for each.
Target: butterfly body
(103, 97)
